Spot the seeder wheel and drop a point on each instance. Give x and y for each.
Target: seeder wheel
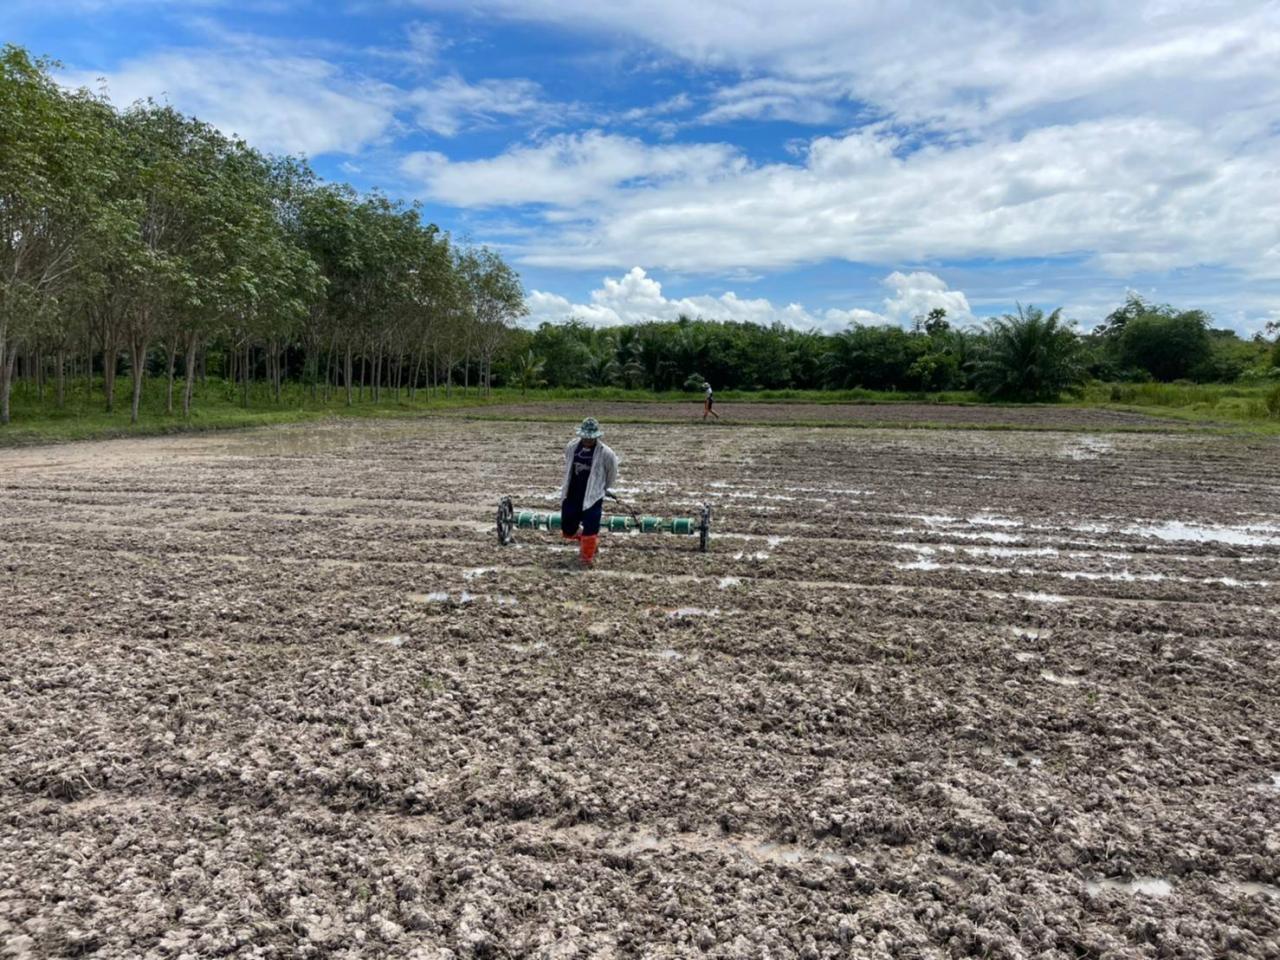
(506, 521)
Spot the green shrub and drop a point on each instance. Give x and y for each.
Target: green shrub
(1272, 401)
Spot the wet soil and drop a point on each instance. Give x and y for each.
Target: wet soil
(850, 414)
(930, 694)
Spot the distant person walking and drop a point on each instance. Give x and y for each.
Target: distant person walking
(709, 404)
(590, 469)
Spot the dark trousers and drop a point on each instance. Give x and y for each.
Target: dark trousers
(571, 515)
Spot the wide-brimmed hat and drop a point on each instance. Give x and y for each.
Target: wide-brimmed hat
(590, 429)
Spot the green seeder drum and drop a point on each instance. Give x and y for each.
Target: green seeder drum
(510, 520)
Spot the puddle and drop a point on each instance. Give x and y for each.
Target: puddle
(920, 548)
(1253, 888)
(1177, 531)
(669, 654)
(1122, 575)
(1043, 597)
(758, 555)
(729, 582)
(1150, 886)
(963, 567)
(395, 641)
(920, 565)
(992, 520)
(682, 612)
(1087, 448)
(1026, 656)
(838, 491)
(443, 596)
(1011, 551)
(478, 572)
(776, 541)
(991, 536)
(1126, 576)
(1060, 680)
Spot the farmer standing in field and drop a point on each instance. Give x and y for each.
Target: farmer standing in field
(590, 469)
(708, 405)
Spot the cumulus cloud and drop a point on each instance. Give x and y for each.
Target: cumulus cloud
(288, 104)
(1150, 194)
(636, 297)
(569, 170)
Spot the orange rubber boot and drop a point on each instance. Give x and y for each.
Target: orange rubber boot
(587, 549)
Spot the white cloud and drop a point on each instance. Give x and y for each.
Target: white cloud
(636, 297)
(916, 293)
(569, 170)
(286, 104)
(452, 103)
(962, 64)
(1141, 135)
(772, 98)
(1147, 194)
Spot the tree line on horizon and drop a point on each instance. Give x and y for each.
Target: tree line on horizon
(1029, 355)
(134, 241)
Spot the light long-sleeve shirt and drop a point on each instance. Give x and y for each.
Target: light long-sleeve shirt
(604, 472)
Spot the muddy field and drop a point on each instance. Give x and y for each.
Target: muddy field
(850, 414)
(930, 694)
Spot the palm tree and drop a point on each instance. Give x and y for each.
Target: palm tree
(603, 370)
(1030, 357)
(528, 371)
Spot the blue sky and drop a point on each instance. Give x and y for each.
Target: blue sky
(814, 162)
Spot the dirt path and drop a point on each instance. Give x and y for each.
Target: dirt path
(279, 694)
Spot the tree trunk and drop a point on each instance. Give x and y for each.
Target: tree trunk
(138, 359)
(192, 349)
(61, 361)
(110, 350)
(413, 379)
(244, 402)
(173, 357)
(7, 360)
(348, 374)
